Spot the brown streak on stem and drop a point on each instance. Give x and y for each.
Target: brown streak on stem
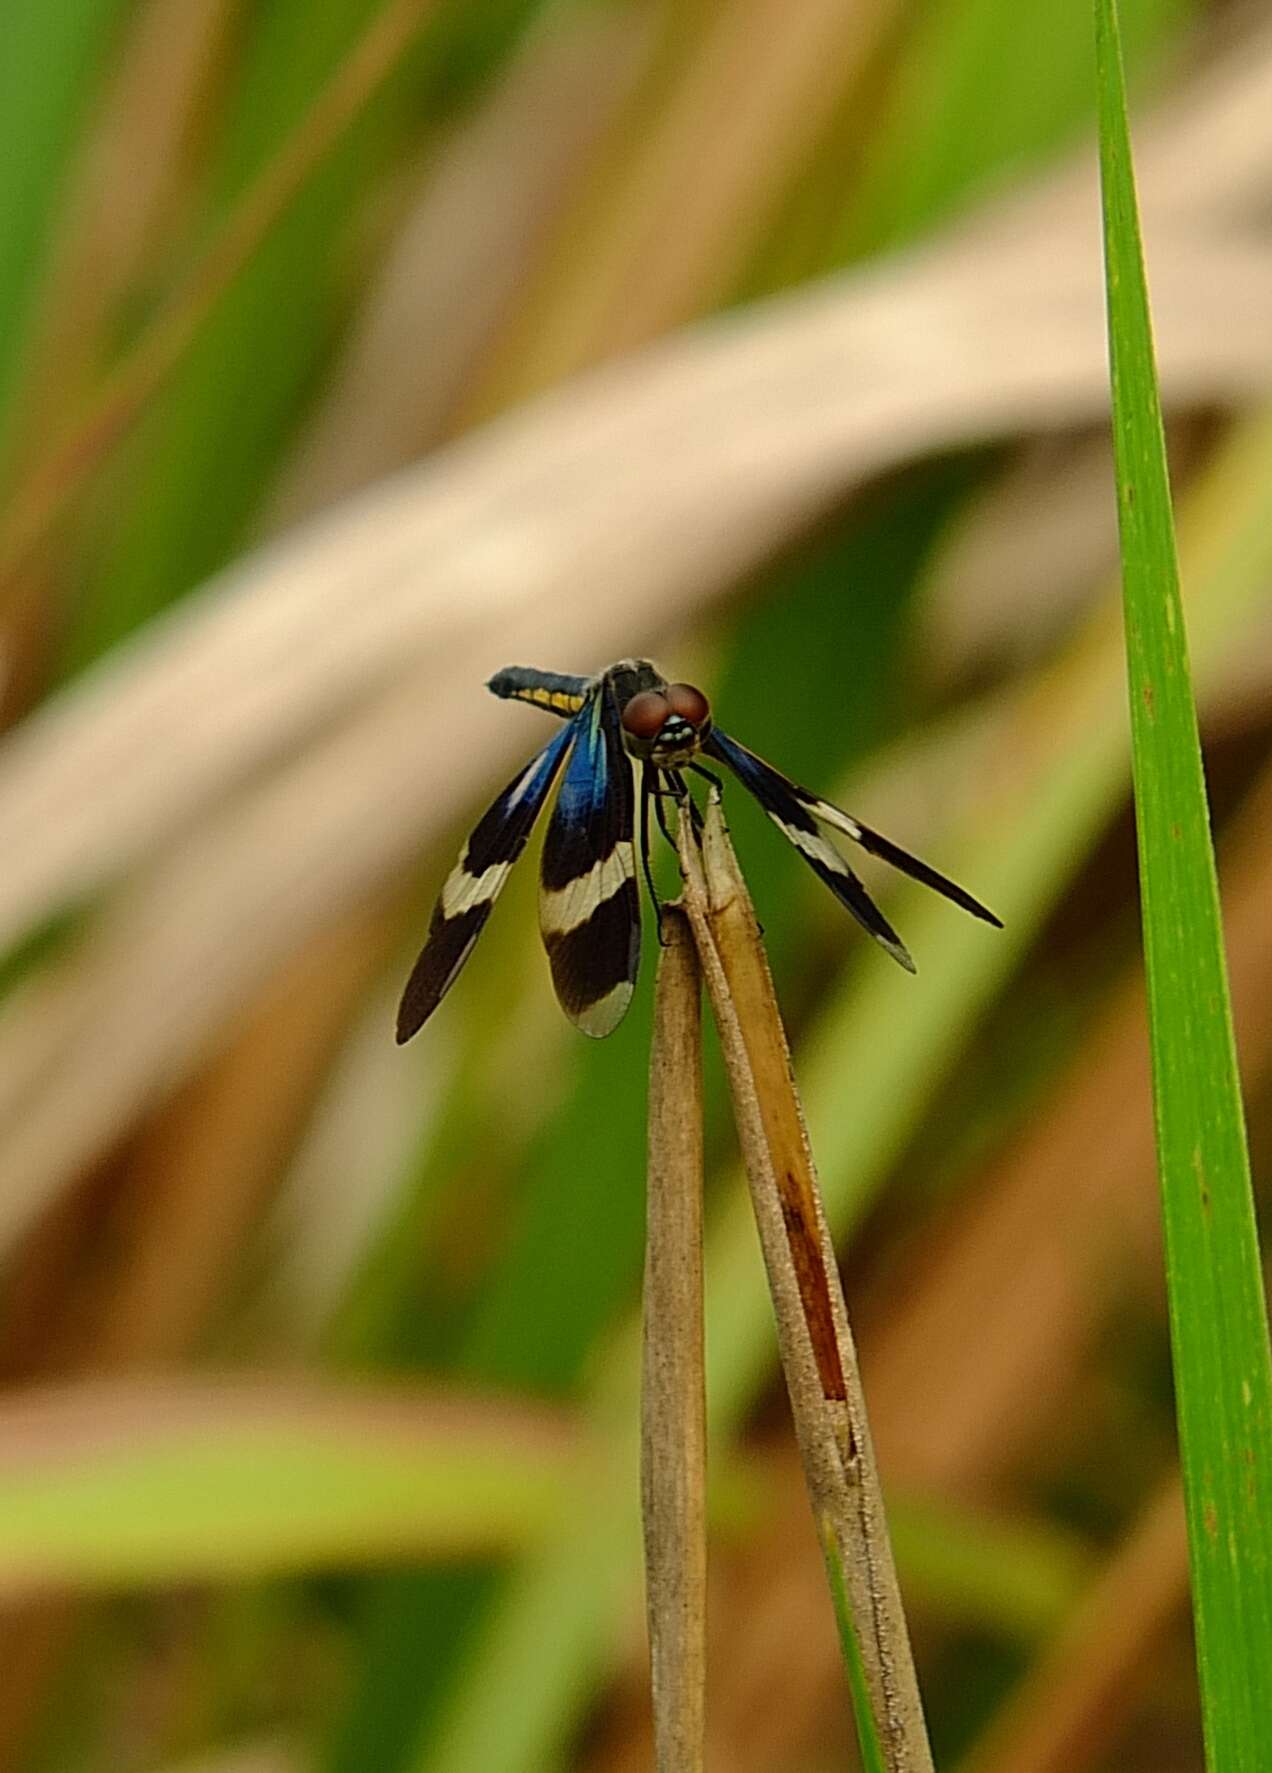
(814, 1290)
(760, 1026)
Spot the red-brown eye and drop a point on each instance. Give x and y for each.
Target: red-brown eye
(689, 703)
(646, 714)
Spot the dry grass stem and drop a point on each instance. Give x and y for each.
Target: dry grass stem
(673, 1393)
(817, 1352)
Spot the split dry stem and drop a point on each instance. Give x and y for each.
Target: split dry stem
(817, 1352)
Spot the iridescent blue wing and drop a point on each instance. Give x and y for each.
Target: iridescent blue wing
(589, 908)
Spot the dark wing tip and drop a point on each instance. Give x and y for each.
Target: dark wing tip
(449, 944)
(875, 844)
(961, 897)
(409, 1020)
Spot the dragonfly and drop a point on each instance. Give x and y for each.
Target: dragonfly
(626, 719)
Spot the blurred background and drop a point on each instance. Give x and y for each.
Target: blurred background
(348, 353)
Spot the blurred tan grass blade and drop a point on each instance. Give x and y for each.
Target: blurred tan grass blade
(705, 164)
(365, 1120)
(1047, 522)
(1204, 159)
(673, 1396)
(1072, 1708)
(84, 784)
(164, 957)
(203, 1172)
(815, 1342)
(662, 480)
(1028, 1260)
(1207, 151)
(471, 235)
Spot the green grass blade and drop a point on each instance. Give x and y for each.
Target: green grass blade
(128, 1486)
(872, 1760)
(50, 58)
(1223, 1377)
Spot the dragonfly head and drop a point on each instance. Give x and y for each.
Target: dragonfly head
(666, 726)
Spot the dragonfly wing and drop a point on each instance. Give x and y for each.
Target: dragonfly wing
(589, 907)
(876, 845)
(790, 808)
(475, 882)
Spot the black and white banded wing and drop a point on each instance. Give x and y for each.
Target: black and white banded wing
(474, 883)
(902, 860)
(792, 814)
(589, 907)
(797, 813)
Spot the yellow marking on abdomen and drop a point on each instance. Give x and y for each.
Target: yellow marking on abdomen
(543, 698)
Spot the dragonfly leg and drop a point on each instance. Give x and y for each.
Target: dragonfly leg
(680, 791)
(647, 793)
(708, 775)
(660, 795)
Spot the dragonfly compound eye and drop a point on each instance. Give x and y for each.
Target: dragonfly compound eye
(646, 714)
(689, 703)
